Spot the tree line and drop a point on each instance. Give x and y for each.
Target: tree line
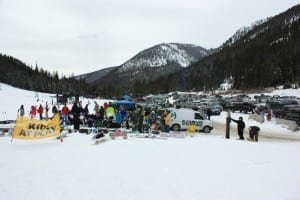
(18, 74)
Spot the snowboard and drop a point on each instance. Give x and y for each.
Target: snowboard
(101, 140)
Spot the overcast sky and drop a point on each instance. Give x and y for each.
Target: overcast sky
(80, 36)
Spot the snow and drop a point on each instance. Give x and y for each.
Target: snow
(292, 19)
(207, 166)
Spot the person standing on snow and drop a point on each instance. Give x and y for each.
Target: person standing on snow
(240, 126)
(97, 109)
(33, 112)
(76, 115)
(47, 110)
(168, 121)
(22, 111)
(209, 113)
(65, 113)
(40, 111)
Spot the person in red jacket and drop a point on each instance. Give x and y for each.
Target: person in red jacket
(33, 112)
(65, 113)
(41, 111)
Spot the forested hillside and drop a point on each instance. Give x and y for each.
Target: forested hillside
(267, 55)
(18, 74)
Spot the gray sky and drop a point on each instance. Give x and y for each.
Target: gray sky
(80, 36)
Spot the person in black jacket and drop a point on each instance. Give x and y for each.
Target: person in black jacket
(240, 127)
(76, 114)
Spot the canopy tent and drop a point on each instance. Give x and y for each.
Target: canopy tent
(126, 97)
(124, 103)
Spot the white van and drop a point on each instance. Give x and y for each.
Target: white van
(183, 117)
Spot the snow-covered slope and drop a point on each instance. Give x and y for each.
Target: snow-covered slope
(243, 31)
(159, 60)
(290, 17)
(206, 166)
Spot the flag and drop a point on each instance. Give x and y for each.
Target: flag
(31, 129)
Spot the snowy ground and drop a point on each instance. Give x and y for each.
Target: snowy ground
(207, 166)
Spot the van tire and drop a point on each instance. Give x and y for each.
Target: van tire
(176, 127)
(206, 129)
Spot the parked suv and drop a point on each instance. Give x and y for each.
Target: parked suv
(244, 107)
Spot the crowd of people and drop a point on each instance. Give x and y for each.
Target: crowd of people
(110, 115)
(107, 115)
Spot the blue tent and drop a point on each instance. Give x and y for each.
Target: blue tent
(126, 97)
(124, 103)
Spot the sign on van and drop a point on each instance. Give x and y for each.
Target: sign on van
(173, 115)
(190, 122)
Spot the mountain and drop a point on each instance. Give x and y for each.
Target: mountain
(164, 54)
(160, 59)
(147, 65)
(265, 54)
(94, 76)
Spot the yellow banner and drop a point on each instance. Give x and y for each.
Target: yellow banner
(31, 129)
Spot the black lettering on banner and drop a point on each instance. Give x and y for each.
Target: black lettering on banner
(190, 122)
(37, 130)
(31, 126)
(22, 133)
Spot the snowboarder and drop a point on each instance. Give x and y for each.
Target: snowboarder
(240, 127)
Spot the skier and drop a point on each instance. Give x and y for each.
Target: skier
(240, 127)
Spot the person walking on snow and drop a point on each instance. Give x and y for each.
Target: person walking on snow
(240, 126)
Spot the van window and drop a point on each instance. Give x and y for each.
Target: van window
(198, 116)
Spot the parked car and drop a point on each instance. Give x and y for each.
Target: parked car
(244, 107)
(294, 115)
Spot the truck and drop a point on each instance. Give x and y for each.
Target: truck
(182, 118)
